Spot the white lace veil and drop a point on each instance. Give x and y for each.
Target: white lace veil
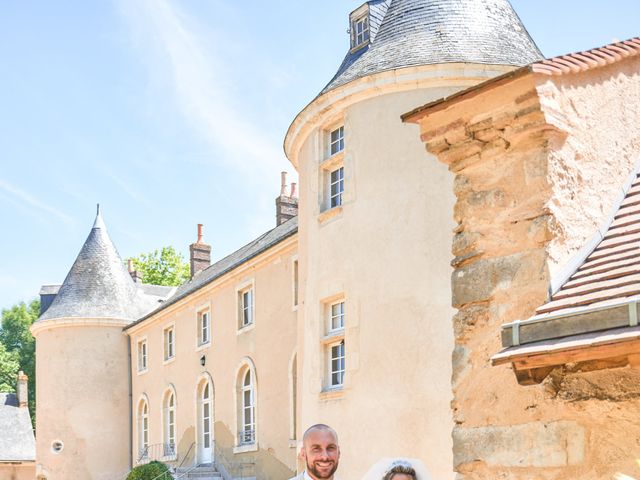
(377, 471)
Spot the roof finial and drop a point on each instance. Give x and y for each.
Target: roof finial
(99, 223)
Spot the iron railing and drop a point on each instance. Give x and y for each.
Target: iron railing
(157, 451)
(246, 437)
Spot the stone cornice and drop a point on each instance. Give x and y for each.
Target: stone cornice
(52, 323)
(327, 107)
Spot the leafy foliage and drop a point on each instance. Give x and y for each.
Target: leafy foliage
(19, 346)
(9, 367)
(149, 471)
(162, 267)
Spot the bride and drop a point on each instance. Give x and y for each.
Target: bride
(398, 469)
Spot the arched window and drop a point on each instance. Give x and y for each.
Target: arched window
(248, 431)
(143, 430)
(169, 424)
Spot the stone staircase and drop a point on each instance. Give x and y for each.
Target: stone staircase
(201, 472)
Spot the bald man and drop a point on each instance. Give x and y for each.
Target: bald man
(321, 453)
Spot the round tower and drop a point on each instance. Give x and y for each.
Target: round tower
(82, 363)
(375, 226)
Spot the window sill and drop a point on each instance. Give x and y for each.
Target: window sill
(251, 447)
(293, 443)
(330, 214)
(332, 337)
(142, 372)
(360, 46)
(335, 160)
(332, 393)
(169, 458)
(246, 329)
(203, 346)
(168, 360)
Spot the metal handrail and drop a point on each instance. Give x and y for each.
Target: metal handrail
(186, 455)
(226, 467)
(157, 451)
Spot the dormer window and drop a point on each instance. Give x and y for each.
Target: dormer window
(360, 31)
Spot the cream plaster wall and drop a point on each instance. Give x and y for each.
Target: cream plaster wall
(82, 399)
(269, 345)
(24, 471)
(387, 252)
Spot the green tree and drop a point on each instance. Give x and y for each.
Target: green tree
(19, 344)
(9, 367)
(162, 267)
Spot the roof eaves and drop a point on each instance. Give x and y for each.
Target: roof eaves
(230, 268)
(562, 65)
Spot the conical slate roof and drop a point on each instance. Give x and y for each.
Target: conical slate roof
(98, 284)
(408, 33)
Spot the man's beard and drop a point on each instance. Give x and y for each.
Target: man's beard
(312, 470)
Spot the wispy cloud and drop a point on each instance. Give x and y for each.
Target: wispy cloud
(199, 77)
(26, 198)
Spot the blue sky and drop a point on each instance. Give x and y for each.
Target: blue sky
(171, 113)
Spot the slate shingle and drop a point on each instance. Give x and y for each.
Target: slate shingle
(429, 32)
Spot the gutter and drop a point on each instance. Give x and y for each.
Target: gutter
(632, 305)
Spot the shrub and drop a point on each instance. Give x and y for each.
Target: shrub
(149, 471)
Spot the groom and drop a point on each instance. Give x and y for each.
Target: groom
(321, 453)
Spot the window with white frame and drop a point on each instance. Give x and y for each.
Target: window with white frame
(206, 405)
(169, 424)
(336, 141)
(142, 355)
(360, 31)
(245, 307)
(336, 317)
(143, 430)
(204, 327)
(336, 187)
(248, 427)
(336, 364)
(169, 343)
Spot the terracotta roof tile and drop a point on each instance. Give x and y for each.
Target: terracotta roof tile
(581, 61)
(612, 270)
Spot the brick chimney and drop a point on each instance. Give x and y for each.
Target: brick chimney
(286, 204)
(22, 389)
(200, 254)
(133, 272)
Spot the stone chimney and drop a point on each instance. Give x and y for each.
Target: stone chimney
(200, 254)
(286, 204)
(135, 275)
(22, 390)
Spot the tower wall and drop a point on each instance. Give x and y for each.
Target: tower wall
(386, 252)
(82, 400)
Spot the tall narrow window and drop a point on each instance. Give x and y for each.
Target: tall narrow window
(336, 187)
(142, 355)
(295, 283)
(204, 327)
(336, 318)
(336, 140)
(143, 431)
(169, 343)
(247, 434)
(245, 307)
(170, 425)
(337, 365)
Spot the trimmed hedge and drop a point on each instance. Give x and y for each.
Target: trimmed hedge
(149, 471)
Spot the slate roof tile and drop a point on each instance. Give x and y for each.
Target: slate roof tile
(17, 442)
(429, 32)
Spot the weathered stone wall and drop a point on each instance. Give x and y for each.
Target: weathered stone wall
(538, 164)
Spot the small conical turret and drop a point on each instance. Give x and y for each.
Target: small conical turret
(98, 284)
